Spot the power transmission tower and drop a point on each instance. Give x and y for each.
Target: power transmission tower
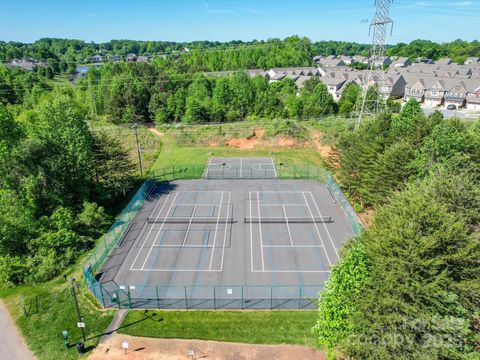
(375, 73)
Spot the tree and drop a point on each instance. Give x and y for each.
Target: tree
(348, 101)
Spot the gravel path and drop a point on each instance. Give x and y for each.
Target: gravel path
(12, 345)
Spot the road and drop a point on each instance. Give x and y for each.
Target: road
(12, 345)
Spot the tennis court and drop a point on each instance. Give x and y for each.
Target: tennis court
(240, 168)
(242, 244)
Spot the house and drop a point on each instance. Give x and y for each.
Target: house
(473, 99)
(256, 72)
(347, 60)
(456, 95)
(444, 61)
(26, 64)
(300, 82)
(114, 58)
(142, 58)
(435, 93)
(97, 58)
(334, 82)
(424, 61)
(82, 70)
(360, 59)
(131, 57)
(392, 86)
(330, 62)
(381, 61)
(472, 60)
(415, 89)
(402, 62)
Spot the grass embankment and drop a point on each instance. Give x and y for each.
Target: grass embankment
(196, 151)
(252, 327)
(50, 310)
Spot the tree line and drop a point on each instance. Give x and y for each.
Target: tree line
(408, 286)
(59, 184)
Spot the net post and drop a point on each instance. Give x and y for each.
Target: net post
(158, 298)
(186, 302)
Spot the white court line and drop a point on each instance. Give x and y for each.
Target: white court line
(225, 234)
(325, 225)
(159, 231)
(251, 231)
(207, 169)
(216, 231)
(318, 231)
(273, 164)
(288, 205)
(288, 225)
(149, 231)
(189, 226)
(290, 246)
(175, 270)
(260, 229)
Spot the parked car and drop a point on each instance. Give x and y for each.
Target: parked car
(452, 107)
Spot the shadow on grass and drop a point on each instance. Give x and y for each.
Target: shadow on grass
(147, 316)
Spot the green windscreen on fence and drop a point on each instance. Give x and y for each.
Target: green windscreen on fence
(114, 234)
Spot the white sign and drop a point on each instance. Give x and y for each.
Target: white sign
(191, 352)
(122, 287)
(229, 291)
(132, 287)
(125, 345)
(81, 324)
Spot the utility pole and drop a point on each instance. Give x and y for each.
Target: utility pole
(80, 319)
(375, 73)
(139, 148)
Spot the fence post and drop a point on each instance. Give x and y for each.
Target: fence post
(214, 299)
(271, 297)
(186, 302)
(242, 297)
(308, 171)
(129, 298)
(158, 299)
(299, 297)
(118, 299)
(173, 171)
(105, 243)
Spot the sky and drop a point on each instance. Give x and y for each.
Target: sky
(224, 20)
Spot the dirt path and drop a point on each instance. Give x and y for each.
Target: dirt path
(12, 345)
(173, 349)
(323, 150)
(156, 132)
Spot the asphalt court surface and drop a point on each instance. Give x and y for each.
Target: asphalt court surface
(228, 233)
(240, 168)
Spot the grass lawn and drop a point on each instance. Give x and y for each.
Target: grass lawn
(174, 154)
(252, 327)
(51, 310)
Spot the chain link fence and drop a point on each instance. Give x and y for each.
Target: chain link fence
(110, 294)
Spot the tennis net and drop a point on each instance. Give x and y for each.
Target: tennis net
(190, 220)
(290, 220)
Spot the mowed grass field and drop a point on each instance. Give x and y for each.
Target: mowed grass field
(251, 327)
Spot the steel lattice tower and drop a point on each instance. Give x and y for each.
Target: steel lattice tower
(375, 73)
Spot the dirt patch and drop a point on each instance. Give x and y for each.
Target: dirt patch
(244, 144)
(259, 133)
(156, 132)
(324, 150)
(212, 143)
(367, 217)
(285, 142)
(173, 349)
